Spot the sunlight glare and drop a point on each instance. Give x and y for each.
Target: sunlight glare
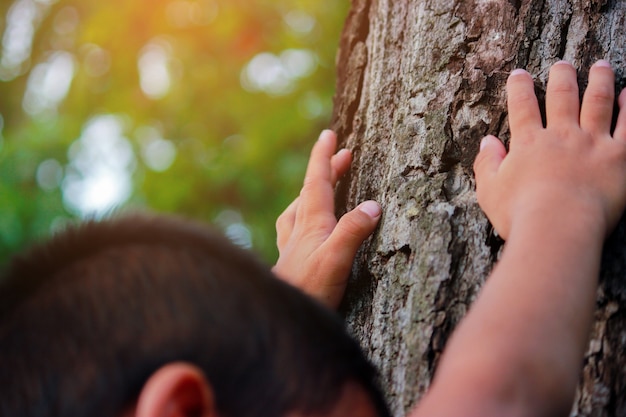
(299, 21)
(298, 63)
(22, 20)
(154, 74)
(18, 38)
(49, 84)
(157, 153)
(231, 222)
(98, 176)
(276, 75)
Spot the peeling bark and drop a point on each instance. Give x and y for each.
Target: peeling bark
(420, 82)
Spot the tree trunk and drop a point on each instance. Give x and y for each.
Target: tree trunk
(420, 82)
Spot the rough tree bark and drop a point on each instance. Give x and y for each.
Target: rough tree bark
(419, 83)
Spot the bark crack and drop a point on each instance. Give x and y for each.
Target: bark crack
(564, 36)
(533, 22)
(351, 63)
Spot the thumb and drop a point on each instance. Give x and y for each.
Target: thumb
(489, 158)
(351, 230)
(355, 226)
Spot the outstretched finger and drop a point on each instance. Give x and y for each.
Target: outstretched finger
(597, 107)
(620, 127)
(285, 224)
(341, 247)
(486, 166)
(562, 101)
(522, 103)
(339, 164)
(316, 196)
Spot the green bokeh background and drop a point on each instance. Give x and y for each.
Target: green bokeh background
(206, 108)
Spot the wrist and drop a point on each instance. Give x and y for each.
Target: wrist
(561, 218)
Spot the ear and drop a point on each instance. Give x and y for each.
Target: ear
(177, 389)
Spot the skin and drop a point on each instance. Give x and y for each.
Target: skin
(553, 197)
(315, 250)
(180, 389)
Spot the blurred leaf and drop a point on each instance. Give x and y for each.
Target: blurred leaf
(171, 72)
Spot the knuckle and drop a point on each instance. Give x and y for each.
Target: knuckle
(522, 98)
(335, 264)
(566, 87)
(282, 221)
(351, 227)
(307, 180)
(600, 96)
(560, 131)
(311, 182)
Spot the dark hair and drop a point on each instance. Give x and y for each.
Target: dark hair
(88, 316)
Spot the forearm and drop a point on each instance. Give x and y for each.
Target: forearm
(553, 196)
(523, 340)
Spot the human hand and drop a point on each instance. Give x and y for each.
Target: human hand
(573, 166)
(315, 250)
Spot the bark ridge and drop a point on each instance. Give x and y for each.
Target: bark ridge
(419, 83)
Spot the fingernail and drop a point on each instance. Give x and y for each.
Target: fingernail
(602, 63)
(518, 71)
(325, 133)
(371, 208)
(485, 141)
(342, 150)
(562, 62)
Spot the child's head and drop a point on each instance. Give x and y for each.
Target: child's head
(89, 316)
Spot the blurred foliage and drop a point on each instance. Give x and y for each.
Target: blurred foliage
(205, 108)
